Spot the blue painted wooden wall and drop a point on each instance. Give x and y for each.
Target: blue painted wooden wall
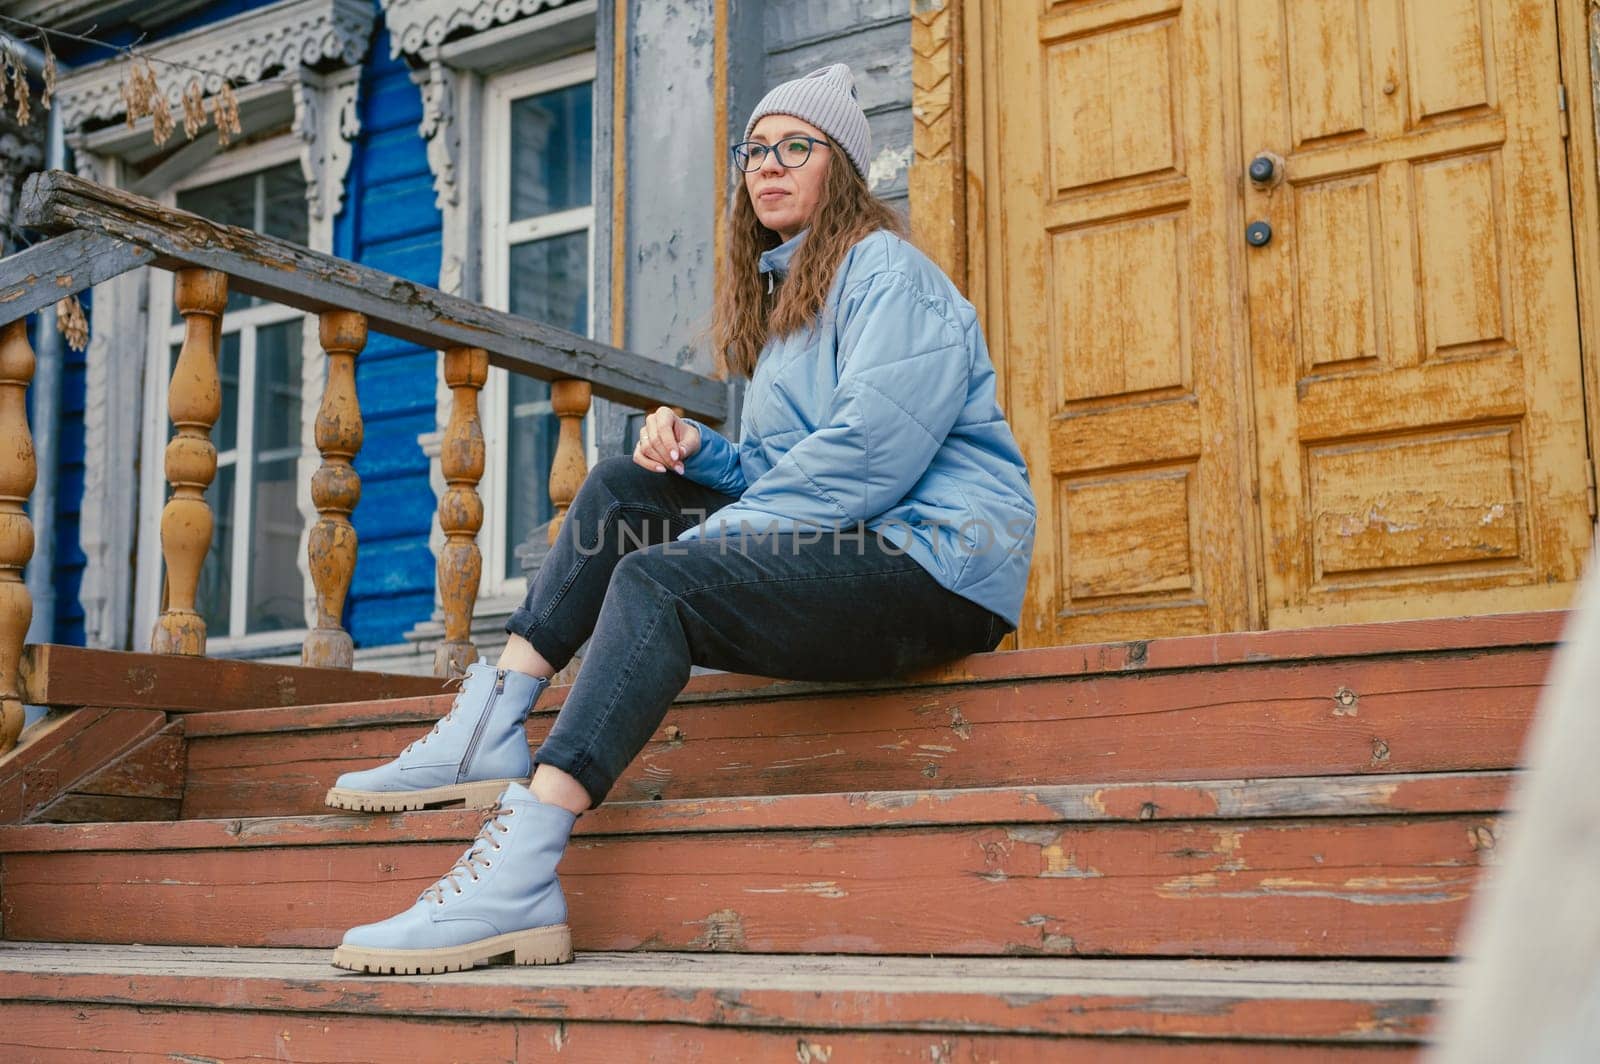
(390, 222)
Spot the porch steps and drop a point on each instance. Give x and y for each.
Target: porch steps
(229, 1004)
(1254, 847)
(1418, 696)
(1319, 867)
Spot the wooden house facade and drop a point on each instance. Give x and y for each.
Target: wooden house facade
(1289, 301)
(1294, 306)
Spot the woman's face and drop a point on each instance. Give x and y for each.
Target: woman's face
(786, 198)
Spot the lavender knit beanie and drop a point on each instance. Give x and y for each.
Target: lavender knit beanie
(827, 99)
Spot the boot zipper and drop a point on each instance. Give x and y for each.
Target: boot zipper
(483, 722)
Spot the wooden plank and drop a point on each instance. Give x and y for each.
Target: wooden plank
(158, 1036)
(75, 807)
(205, 725)
(56, 675)
(1340, 887)
(152, 769)
(1329, 796)
(294, 276)
(1056, 996)
(1444, 713)
(38, 277)
(59, 758)
(1248, 978)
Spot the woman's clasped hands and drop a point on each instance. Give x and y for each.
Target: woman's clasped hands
(665, 440)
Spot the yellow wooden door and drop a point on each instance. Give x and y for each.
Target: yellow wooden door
(1122, 348)
(1413, 320)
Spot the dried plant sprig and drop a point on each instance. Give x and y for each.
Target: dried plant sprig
(194, 108)
(139, 91)
(72, 323)
(161, 119)
(19, 85)
(225, 112)
(5, 72)
(49, 76)
(231, 105)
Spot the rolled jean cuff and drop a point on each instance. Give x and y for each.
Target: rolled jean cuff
(550, 646)
(579, 766)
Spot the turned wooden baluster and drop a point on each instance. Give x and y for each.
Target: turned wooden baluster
(194, 400)
(335, 490)
(570, 400)
(17, 472)
(461, 509)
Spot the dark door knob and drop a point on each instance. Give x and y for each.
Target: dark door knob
(1262, 169)
(1258, 234)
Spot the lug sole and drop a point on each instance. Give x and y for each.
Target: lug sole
(479, 794)
(539, 945)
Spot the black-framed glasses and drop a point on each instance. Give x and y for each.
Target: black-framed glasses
(791, 152)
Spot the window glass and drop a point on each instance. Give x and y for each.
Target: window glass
(276, 586)
(551, 148)
(551, 171)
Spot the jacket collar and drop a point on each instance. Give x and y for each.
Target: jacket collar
(777, 259)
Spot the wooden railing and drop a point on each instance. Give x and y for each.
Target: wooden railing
(100, 233)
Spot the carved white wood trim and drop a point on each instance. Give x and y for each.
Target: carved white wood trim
(327, 120)
(418, 24)
(283, 36)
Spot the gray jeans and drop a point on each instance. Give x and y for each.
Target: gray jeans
(840, 607)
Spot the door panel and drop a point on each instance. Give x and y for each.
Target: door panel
(1413, 325)
(1122, 352)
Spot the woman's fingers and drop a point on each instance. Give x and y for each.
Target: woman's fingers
(658, 442)
(688, 441)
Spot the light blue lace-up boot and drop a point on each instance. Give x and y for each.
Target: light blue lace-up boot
(501, 901)
(469, 756)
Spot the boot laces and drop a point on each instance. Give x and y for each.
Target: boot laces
(460, 684)
(476, 857)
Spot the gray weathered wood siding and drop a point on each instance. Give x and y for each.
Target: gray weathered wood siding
(874, 37)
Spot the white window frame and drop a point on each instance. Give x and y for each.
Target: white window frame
(500, 235)
(153, 485)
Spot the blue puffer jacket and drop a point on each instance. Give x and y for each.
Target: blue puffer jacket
(883, 412)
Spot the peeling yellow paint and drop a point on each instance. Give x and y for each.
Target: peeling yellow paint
(826, 888)
(1187, 884)
(1059, 863)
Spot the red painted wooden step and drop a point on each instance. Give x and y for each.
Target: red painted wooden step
(1415, 696)
(1337, 866)
(231, 1004)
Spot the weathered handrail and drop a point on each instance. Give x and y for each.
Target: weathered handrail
(103, 232)
(294, 276)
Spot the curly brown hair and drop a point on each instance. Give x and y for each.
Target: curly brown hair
(744, 316)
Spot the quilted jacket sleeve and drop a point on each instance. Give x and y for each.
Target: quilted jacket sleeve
(716, 464)
(902, 383)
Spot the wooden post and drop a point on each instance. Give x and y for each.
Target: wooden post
(194, 400)
(461, 509)
(17, 473)
(335, 490)
(570, 400)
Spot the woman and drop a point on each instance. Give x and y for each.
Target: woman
(874, 519)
